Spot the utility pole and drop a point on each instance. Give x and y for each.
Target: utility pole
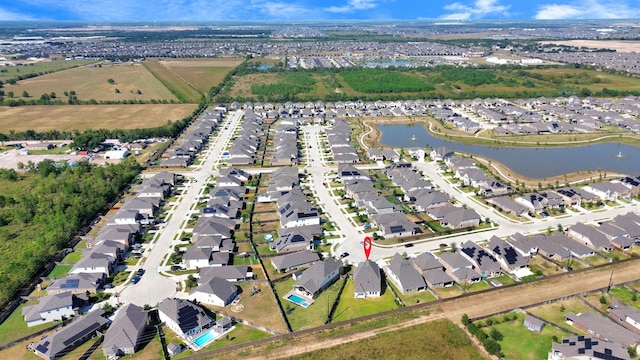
(610, 281)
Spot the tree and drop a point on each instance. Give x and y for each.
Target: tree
(25, 93)
(496, 334)
(111, 81)
(603, 300)
(465, 319)
(117, 91)
(9, 94)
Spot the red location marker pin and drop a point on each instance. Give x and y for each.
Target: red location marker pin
(367, 246)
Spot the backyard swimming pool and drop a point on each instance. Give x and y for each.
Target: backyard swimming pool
(298, 300)
(204, 339)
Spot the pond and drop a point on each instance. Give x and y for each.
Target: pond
(536, 163)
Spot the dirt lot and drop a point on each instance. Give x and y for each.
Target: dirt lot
(618, 45)
(81, 117)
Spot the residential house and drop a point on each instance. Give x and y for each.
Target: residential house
(93, 262)
(77, 283)
(231, 273)
(367, 280)
(625, 315)
(590, 236)
(295, 239)
(508, 257)
(184, 317)
(602, 328)
(432, 271)
(584, 347)
(461, 218)
(459, 267)
(216, 291)
(404, 276)
(292, 261)
(395, 225)
(482, 260)
(53, 308)
(440, 153)
(63, 341)
(318, 277)
(126, 332)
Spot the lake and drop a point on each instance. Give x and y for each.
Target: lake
(536, 163)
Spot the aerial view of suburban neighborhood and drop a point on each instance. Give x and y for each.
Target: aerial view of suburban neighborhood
(446, 187)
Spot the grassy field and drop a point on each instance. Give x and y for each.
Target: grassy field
(461, 83)
(202, 74)
(547, 267)
(40, 67)
(90, 82)
(519, 343)
(625, 295)
(176, 85)
(349, 307)
(72, 257)
(436, 340)
(80, 117)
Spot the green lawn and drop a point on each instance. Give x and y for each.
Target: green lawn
(72, 257)
(59, 271)
(240, 260)
(625, 295)
(316, 314)
(240, 334)
(596, 260)
(480, 285)
(553, 312)
(15, 327)
(120, 277)
(505, 279)
(413, 297)
(449, 292)
(350, 307)
(519, 343)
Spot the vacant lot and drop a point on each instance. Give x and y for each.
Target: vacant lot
(80, 117)
(178, 86)
(92, 82)
(618, 45)
(202, 74)
(40, 67)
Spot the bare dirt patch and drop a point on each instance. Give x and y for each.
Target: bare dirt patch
(81, 117)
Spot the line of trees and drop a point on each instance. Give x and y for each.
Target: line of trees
(54, 202)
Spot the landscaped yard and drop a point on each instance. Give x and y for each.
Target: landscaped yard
(626, 295)
(350, 307)
(72, 257)
(316, 314)
(449, 292)
(260, 308)
(596, 260)
(15, 327)
(519, 343)
(556, 312)
(504, 279)
(59, 271)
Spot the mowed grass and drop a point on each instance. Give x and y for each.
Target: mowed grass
(81, 117)
(181, 89)
(556, 312)
(316, 314)
(433, 340)
(13, 72)
(90, 82)
(59, 271)
(519, 343)
(202, 74)
(259, 308)
(349, 307)
(625, 295)
(14, 327)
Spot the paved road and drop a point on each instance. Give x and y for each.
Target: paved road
(153, 286)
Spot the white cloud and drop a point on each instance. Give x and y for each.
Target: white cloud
(282, 10)
(479, 9)
(588, 9)
(352, 6)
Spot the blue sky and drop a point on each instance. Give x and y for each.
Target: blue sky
(317, 9)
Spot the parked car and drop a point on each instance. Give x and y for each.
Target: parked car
(140, 272)
(135, 279)
(344, 254)
(408, 245)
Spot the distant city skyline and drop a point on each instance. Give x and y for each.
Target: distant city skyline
(236, 10)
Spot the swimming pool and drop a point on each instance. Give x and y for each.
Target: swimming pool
(298, 300)
(204, 339)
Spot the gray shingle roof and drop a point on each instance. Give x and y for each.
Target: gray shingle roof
(125, 331)
(367, 278)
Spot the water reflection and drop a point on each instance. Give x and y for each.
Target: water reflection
(530, 162)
